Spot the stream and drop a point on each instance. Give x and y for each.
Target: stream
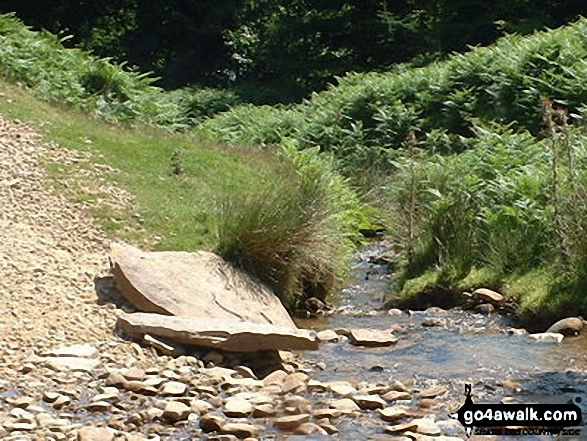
(471, 348)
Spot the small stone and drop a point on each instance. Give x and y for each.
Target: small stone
(433, 322)
(345, 405)
(175, 411)
(394, 312)
(369, 402)
(264, 411)
(328, 335)
(329, 428)
(201, 406)
(164, 347)
(371, 338)
(211, 422)
(433, 392)
(62, 364)
(289, 423)
(237, 408)
(173, 389)
(23, 402)
(400, 428)
(76, 351)
(240, 430)
(134, 374)
(116, 379)
(342, 388)
(95, 434)
(310, 429)
(276, 377)
(99, 406)
(393, 413)
(397, 396)
(426, 426)
(547, 337)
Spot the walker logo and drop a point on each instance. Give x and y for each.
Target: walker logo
(519, 419)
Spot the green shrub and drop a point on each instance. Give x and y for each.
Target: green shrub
(293, 230)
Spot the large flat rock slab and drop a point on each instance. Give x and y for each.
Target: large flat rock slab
(224, 335)
(199, 284)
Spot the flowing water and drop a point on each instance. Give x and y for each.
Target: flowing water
(471, 348)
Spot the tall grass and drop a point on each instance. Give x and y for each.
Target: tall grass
(293, 230)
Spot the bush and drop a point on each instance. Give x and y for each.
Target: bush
(294, 230)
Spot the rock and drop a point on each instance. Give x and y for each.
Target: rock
(398, 386)
(400, 428)
(264, 411)
(432, 392)
(289, 423)
(275, 377)
(218, 334)
(343, 388)
(568, 327)
(329, 428)
(237, 408)
(95, 434)
(240, 430)
(371, 338)
(310, 429)
(394, 395)
(515, 331)
(547, 337)
(433, 322)
(199, 284)
(173, 389)
(485, 308)
(164, 347)
(344, 405)
(369, 402)
(328, 335)
(426, 426)
(315, 305)
(328, 413)
(61, 364)
(176, 411)
(484, 295)
(393, 413)
(116, 379)
(77, 351)
(394, 312)
(211, 422)
(134, 374)
(293, 384)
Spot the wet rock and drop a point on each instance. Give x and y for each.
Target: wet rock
(328, 413)
(328, 335)
(317, 386)
(369, 402)
(95, 434)
(211, 422)
(327, 426)
(484, 295)
(371, 338)
(431, 322)
(547, 337)
(394, 312)
(176, 411)
(219, 334)
(398, 386)
(296, 404)
(199, 284)
(393, 413)
(568, 327)
(294, 383)
(514, 331)
(275, 377)
(289, 423)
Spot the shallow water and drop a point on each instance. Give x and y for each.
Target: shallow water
(472, 348)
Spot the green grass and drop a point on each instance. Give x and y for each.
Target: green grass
(179, 209)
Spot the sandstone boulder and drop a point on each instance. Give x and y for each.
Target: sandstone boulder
(198, 284)
(484, 295)
(224, 335)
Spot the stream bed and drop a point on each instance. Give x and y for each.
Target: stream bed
(470, 349)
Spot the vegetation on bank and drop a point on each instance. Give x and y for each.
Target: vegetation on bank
(485, 161)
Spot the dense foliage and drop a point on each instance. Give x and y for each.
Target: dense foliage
(276, 50)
